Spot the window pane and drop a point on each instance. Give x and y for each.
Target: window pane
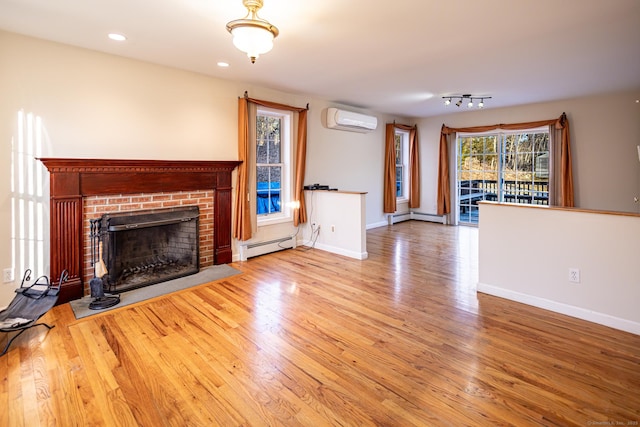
(268, 189)
(268, 138)
(491, 165)
(524, 162)
(491, 145)
(542, 166)
(399, 173)
(398, 147)
(274, 191)
(541, 142)
(477, 145)
(524, 142)
(275, 177)
(464, 162)
(464, 146)
(262, 150)
(262, 200)
(274, 150)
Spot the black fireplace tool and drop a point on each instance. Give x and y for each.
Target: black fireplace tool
(96, 284)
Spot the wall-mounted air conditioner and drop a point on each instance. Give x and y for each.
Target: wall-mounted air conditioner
(348, 120)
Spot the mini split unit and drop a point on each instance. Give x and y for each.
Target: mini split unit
(348, 120)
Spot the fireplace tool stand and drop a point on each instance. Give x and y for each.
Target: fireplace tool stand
(96, 284)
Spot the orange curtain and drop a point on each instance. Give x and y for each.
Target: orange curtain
(566, 173)
(390, 170)
(242, 223)
(566, 166)
(300, 214)
(444, 195)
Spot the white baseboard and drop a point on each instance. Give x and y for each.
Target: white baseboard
(421, 216)
(341, 251)
(418, 216)
(251, 249)
(377, 224)
(398, 217)
(558, 307)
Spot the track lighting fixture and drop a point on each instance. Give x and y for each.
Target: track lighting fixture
(461, 98)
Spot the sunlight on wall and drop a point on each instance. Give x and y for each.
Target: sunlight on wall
(29, 198)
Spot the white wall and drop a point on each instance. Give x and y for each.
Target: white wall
(525, 253)
(349, 161)
(605, 131)
(338, 220)
(95, 105)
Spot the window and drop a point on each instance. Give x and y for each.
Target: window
(402, 160)
(502, 166)
(273, 159)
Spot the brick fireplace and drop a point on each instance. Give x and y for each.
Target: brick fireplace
(96, 207)
(81, 189)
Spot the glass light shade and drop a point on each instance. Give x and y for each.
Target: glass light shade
(252, 40)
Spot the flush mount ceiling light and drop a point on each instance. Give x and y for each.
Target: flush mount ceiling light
(117, 37)
(252, 34)
(461, 98)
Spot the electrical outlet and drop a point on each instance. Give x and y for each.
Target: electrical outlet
(574, 275)
(7, 275)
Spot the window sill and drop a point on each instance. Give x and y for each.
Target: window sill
(274, 220)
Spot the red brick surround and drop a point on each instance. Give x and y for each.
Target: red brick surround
(95, 206)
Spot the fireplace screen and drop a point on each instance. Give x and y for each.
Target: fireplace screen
(142, 248)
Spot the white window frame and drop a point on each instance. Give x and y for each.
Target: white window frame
(500, 134)
(404, 135)
(286, 188)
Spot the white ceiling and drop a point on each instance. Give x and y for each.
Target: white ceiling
(399, 57)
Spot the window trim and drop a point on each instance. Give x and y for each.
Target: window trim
(286, 156)
(501, 135)
(404, 135)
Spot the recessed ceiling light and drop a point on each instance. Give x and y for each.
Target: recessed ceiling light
(223, 64)
(117, 37)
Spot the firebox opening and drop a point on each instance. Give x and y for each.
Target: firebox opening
(143, 248)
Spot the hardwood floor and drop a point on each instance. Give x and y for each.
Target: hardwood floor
(304, 337)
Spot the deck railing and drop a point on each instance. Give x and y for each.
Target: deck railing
(530, 192)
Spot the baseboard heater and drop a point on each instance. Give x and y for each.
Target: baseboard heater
(252, 249)
(418, 216)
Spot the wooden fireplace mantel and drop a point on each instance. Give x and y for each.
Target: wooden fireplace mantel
(72, 179)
